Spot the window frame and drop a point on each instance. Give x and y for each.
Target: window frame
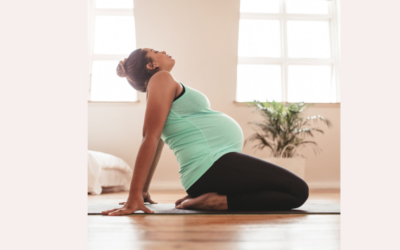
(93, 12)
(284, 61)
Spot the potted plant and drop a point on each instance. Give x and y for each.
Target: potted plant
(284, 132)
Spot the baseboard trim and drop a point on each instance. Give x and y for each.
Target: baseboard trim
(324, 185)
(166, 185)
(172, 185)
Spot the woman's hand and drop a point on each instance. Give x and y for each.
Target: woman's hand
(146, 198)
(129, 207)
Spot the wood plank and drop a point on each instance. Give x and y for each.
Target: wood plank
(213, 231)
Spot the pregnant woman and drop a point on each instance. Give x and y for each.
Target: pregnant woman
(207, 144)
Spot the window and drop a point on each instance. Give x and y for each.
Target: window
(112, 38)
(288, 51)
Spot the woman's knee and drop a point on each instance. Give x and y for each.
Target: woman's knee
(302, 193)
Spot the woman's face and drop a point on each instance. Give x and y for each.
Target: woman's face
(160, 59)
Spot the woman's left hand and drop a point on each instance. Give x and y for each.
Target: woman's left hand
(131, 206)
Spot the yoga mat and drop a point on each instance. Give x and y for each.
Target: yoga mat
(318, 207)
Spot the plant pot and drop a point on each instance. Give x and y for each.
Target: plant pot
(296, 165)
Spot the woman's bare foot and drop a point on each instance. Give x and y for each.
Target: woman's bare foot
(208, 201)
(178, 202)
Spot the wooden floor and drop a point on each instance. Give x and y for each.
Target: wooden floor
(208, 232)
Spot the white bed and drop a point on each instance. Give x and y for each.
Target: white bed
(106, 171)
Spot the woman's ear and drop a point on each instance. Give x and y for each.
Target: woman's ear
(152, 66)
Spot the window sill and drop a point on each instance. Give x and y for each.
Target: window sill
(243, 104)
(112, 103)
(316, 105)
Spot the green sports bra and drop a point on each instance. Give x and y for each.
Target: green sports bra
(199, 135)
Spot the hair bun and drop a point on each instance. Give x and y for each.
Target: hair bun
(121, 68)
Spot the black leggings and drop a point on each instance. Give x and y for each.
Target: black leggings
(251, 184)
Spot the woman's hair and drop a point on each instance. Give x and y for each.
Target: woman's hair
(135, 70)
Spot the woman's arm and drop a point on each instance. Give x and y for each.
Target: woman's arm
(144, 161)
(161, 90)
(154, 165)
(145, 192)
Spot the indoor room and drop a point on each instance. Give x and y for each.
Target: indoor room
(273, 66)
(199, 124)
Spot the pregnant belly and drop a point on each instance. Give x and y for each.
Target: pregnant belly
(220, 131)
(193, 138)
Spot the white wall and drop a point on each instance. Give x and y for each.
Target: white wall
(202, 36)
